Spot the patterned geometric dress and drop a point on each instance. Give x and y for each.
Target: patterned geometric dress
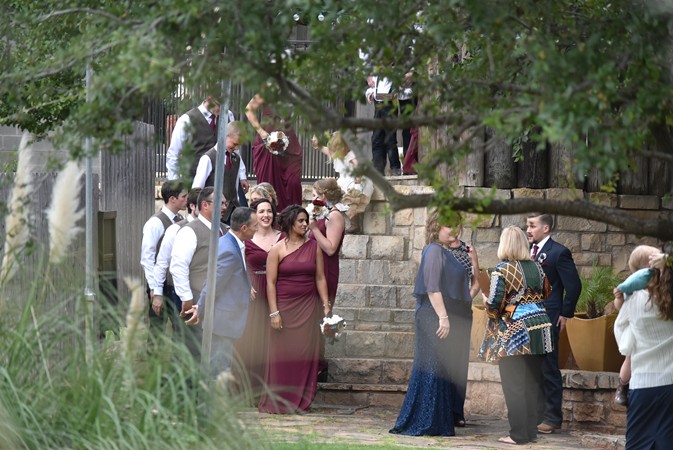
(518, 323)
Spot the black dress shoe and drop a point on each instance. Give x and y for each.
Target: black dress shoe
(322, 376)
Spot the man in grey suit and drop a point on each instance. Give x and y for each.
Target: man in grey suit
(232, 290)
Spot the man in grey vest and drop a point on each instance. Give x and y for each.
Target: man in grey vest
(205, 171)
(175, 199)
(164, 291)
(194, 134)
(189, 258)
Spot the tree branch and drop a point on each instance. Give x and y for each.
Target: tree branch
(95, 12)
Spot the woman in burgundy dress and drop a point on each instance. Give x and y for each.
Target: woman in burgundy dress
(296, 290)
(282, 171)
(252, 345)
(328, 229)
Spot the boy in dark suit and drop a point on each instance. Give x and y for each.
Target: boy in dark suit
(557, 263)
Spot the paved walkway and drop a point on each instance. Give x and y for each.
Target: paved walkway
(371, 425)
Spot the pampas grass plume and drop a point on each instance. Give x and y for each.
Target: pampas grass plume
(17, 220)
(64, 213)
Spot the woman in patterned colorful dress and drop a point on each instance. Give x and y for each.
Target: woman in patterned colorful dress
(519, 332)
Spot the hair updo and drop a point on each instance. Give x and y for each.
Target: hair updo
(330, 189)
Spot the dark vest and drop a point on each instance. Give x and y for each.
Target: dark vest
(166, 222)
(169, 277)
(203, 138)
(229, 188)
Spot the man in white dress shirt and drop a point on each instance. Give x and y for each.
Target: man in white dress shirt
(189, 258)
(194, 134)
(175, 199)
(384, 141)
(164, 289)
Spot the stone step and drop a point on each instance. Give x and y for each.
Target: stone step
(367, 370)
(358, 395)
(375, 247)
(392, 300)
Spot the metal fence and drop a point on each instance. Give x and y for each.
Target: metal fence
(163, 113)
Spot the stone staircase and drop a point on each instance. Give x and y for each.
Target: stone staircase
(371, 363)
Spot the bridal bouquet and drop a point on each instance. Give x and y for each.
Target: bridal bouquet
(332, 327)
(277, 142)
(317, 209)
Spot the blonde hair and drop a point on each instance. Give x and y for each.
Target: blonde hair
(266, 191)
(640, 257)
(337, 146)
(513, 244)
(330, 189)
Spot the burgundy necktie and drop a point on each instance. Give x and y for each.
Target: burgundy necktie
(227, 163)
(212, 121)
(177, 218)
(535, 249)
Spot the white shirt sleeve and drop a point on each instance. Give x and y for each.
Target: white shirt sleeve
(242, 171)
(177, 142)
(184, 247)
(164, 259)
(152, 232)
(203, 171)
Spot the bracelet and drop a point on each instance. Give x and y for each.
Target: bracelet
(274, 314)
(443, 317)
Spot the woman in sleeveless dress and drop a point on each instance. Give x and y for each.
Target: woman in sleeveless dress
(283, 172)
(297, 296)
(328, 229)
(252, 345)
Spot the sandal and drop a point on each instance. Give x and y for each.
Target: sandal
(507, 440)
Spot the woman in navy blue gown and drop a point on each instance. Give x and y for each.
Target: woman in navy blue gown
(445, 285)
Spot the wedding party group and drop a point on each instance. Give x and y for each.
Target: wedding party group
(277, 264)
(278, 275)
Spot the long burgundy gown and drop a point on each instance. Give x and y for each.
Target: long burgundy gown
(292, 364)
(252, 345)
(283, 172)
(332, 276)
(331, 262)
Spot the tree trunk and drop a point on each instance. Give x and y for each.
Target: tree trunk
(498, 162)
(634, 181)
(533, 169)
(472, 173)
(561, 168)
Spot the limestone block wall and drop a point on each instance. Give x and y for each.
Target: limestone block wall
(371, 364)
(587, 398)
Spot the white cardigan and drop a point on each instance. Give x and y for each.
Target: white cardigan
(648, 339)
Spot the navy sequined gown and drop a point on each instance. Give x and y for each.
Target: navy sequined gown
(436, 391)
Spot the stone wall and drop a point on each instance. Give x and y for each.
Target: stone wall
(372, 362)
(587, 398)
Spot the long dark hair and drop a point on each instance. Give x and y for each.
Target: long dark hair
(287, 217)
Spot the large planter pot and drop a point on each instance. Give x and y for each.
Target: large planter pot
(593, 343)
(563, 349)
(479, 321)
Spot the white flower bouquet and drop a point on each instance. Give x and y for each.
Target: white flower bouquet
(332, 327)
(277, 142)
